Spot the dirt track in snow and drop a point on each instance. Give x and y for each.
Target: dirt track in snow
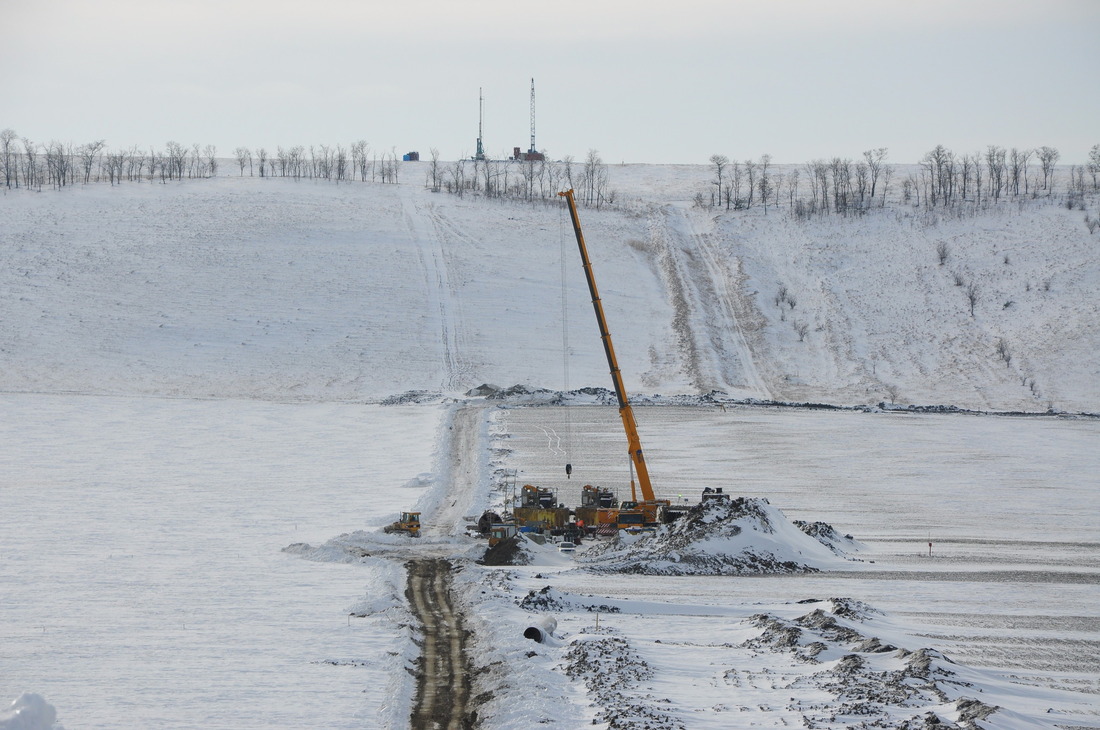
(442, 679)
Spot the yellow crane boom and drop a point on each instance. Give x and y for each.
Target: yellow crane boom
(626, 413)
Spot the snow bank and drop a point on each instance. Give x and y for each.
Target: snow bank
(29, 712)
(723, 537)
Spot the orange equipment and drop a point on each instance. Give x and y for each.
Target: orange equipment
(648, 510)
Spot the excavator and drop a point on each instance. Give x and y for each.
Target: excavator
(634, 513)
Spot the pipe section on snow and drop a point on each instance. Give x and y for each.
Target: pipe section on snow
(541, 629)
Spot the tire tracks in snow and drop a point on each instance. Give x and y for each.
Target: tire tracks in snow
(460, 471)
(443, 674)
(709, 310)
(428, 229)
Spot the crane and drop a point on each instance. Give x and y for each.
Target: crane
(647, 510)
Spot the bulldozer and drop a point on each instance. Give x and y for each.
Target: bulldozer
(409, 524)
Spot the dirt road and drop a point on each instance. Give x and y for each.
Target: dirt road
(442, 681)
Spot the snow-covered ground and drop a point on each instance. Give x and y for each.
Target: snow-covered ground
(217, 392)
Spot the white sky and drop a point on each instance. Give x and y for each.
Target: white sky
(640, 81)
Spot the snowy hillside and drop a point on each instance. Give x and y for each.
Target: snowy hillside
(276, 289)
(217, 393)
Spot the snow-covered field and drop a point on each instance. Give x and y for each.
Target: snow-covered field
(198, 376)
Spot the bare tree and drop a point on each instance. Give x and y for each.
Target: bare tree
(942, 252)
(527, 170)
(88, 154)
(434, 171)
(594, 179)
(244, 157)
(887, 174)
(939, 166)
(360, 158)
(1017, 169)
(59, 164)
(1094, 165)
(875, 160)
(765, 180)
(996, 167)
(750, 173)
(815, 182)
(1048, 158)
(8, 157)
(841, 172)
(966, 173)
(196, 164)
(737, 180)
(155, 162)
(863, 180)
(567, 164)
(719, 162)
(458, 176)
(32, 175)
(135, 163)
(972, 170)
(176, 157)
(972, 293)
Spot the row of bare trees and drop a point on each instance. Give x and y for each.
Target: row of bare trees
(942, 178)
(25, 163)
(525, 179)
(324, 162)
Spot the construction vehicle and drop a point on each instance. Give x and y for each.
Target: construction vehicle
(409, 524)
(500, 532)
(538, 507)
(648, 510)
(599, 506)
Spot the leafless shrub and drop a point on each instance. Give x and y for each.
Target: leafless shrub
(802, 329)
(941, 252)
(972, 293)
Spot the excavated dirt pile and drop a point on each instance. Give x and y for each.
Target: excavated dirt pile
(726, 537)
(873, 684)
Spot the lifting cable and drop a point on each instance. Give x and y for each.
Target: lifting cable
(565, 340)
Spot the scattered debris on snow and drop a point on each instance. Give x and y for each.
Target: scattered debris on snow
(551, 599)
(612, 672)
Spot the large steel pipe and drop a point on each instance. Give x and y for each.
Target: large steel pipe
(541, 629)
